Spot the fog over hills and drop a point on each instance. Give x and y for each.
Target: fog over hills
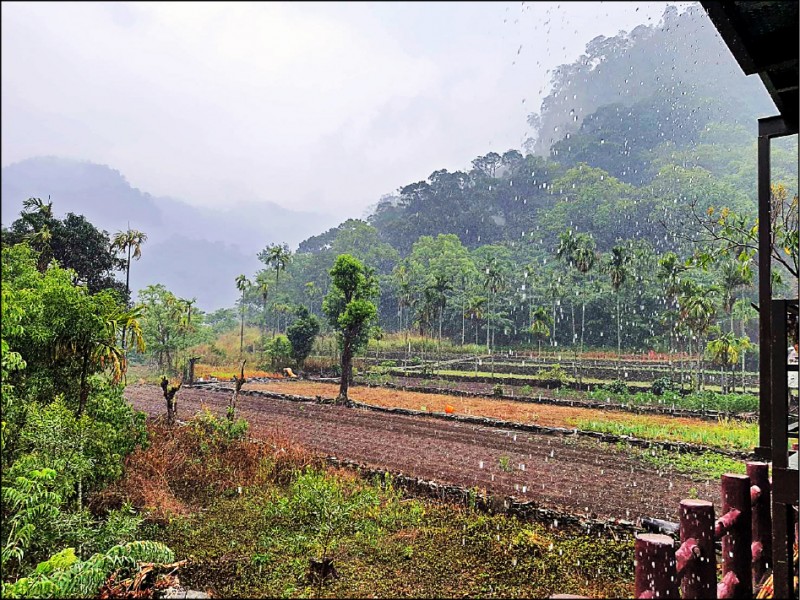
(193, 251)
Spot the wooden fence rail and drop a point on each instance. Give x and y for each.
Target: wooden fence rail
(690, 570)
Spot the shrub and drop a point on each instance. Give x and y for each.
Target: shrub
(526, 390)
(616, 387)
(497, 390)
(663, 384)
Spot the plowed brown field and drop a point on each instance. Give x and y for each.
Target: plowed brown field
(577, 476)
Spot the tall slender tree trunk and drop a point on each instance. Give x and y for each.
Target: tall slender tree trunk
(347, 369)
(241, 332)
(463, 318)
(84, 388)
(574, 334)
(619, 337)
(583, 323)
(127, 298)
(488, 320)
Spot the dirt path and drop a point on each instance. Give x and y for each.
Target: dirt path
(581, 477)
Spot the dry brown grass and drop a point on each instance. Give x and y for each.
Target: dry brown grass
(183, 464)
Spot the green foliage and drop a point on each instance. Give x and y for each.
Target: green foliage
(170, 325)
(555, 373)
(63, 575)
(726, 434)
(659, 386)
(505, 463)
(704, 400)
(29, 504)
(616, 387)
(216, 434)
(74, 242)
(326, 511)
(301, 334)
(497, 390)
(279, 350)
(704, 465)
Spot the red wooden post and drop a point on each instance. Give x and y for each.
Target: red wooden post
(735, 529)
(762, 520)
(655, 572)
(696, 558)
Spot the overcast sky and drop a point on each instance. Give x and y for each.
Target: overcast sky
(321, 107)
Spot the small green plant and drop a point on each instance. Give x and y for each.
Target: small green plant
(63, 575)
(497, 390)
(505, 463)
(555, 373)
(526, 390)
(214, 432)
(693, 493)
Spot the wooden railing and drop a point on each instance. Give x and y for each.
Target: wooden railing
(690, 570)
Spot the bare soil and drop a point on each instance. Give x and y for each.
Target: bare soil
(572, 475)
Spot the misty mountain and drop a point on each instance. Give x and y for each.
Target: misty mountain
(188, 247)
(668, 64)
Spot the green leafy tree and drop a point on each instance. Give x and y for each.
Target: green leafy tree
(165, 326)
(301, 334)
(351, 311)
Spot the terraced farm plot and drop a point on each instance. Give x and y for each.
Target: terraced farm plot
(732, 434)
(571, 475)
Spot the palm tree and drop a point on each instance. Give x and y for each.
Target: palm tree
(697, 311)
(567, 245)
(476, 306)
(37, 206)
(540, 325)
(440, 286)
(617, 268)
(725, 351)
(493, 282)
(99, 347)
(277, 257)
(39, 214)
(744, 312)
(585, 257)
(129, 241)
(735, 273)
(311, 292)
(242, 284)
(554, 291)
(262, 287)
